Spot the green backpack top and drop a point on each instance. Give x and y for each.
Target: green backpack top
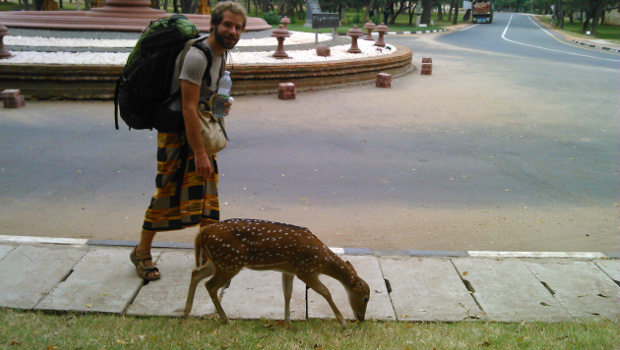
(143, 88)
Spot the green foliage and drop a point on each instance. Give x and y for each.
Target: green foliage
(272, 18)
(11, 6)
(356, 19)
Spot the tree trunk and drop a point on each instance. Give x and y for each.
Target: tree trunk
(586, 24)
(440, 12)
(412, 12)
(455, 20)
(427, 8)
(372, 3)
(597, 15)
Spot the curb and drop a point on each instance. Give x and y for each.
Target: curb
(596, 46)
(374, 34)
(418, 32)
(337, 250)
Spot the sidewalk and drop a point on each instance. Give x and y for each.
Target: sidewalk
(97, 276)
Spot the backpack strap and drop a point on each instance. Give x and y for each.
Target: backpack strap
(116, 91)
(186, 48)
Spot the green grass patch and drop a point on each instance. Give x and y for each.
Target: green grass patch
(11, 6)
(401, 24)
(606, 32)
(38, 330)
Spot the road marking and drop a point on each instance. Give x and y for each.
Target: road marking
(566, 255)
(544, 48)
(468, 27)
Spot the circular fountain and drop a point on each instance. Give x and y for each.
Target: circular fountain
(116, 15)
(43, 80)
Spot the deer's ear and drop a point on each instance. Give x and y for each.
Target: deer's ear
(350, 266)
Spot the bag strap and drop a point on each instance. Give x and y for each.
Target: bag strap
(186, 48)
(116, 91)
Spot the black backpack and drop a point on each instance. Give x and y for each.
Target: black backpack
(143, 89)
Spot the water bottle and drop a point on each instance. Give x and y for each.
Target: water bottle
(223, 93)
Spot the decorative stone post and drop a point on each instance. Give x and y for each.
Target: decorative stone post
(4, 53)
(381, 29)
(354, 33)
(323, 50)
(285, 21)
(369, 26)
(280, 33)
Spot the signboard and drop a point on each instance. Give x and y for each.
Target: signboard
(312, 8)
(325, 20)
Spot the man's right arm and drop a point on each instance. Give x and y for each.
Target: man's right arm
(190, 93)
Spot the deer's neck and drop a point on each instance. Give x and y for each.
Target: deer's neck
(340, 271)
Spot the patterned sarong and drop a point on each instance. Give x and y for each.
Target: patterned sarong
(179, 204)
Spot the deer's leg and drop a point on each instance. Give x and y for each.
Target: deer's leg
(287, 288)
(315, 283)
(219, 279)
(197, 275)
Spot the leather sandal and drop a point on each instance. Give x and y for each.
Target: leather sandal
(141, 267)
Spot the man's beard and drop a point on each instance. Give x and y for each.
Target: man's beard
(223, 43)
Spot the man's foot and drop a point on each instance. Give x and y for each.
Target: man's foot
(144, 265)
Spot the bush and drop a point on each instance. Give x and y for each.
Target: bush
(271, 17)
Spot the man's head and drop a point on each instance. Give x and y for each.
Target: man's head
(228, 20)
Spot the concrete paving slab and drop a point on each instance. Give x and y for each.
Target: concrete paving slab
(611, 267)
(507, 291)
(428, 290)
(103, 281)
(258, 294)
(29, 272)
(580, 286)
(5, 249)
(167, 296)
(368, 268)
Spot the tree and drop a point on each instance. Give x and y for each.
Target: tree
(427, 9)
(558, 15)
(455, 20)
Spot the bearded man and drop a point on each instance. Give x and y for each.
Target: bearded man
(187, 176)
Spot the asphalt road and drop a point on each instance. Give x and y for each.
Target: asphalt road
(523, 36)
(504, 147)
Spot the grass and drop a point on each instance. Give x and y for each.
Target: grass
(606, 32)
(401, 24)
(38, 330)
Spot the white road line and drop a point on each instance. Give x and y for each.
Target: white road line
(547, 49)
(574, 255)
(469, 27)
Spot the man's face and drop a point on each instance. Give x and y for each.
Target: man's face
(228, 33)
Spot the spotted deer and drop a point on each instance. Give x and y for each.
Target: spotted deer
(225, 248)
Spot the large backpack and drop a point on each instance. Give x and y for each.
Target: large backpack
(143, 89)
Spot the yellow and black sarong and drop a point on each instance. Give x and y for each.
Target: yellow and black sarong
(182, 198)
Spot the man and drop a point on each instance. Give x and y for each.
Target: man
(189, 197)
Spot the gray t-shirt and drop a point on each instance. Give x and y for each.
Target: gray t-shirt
(193, 71)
